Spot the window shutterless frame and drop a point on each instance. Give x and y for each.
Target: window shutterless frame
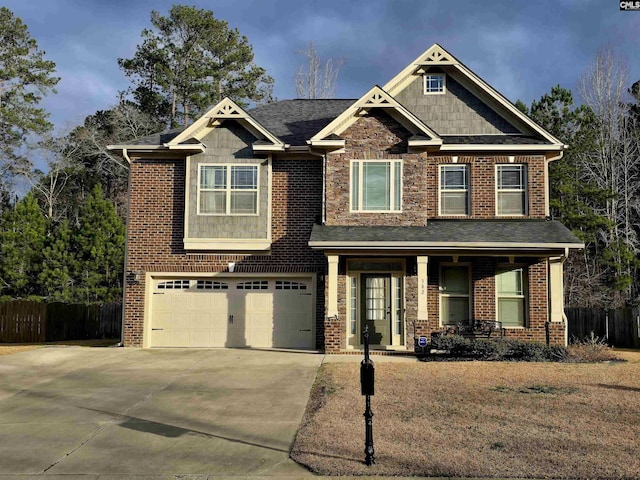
(434, 83)
(511, 190)
(453, 190)
(232, 189)
(512, 295)
(375, 186)
(455, 291)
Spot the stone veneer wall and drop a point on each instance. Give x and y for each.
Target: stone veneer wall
(379, 136)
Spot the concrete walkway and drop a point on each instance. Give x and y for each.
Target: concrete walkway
(132, 413)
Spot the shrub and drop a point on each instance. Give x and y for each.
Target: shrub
(590, 349)
(498, 349)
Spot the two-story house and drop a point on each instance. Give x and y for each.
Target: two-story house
(422, 204)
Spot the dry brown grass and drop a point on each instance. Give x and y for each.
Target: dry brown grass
(478, 419)
(9, 348)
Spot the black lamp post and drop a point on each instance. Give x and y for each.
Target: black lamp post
(367, 386)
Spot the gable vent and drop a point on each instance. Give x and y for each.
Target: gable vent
(228, 110)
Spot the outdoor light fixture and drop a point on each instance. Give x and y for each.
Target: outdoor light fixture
(135, 276)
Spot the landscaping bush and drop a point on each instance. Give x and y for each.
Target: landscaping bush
(498, 349)
(590, 349)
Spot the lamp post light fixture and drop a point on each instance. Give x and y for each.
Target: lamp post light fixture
(367, 381)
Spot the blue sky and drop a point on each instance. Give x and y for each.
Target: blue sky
(520, 47)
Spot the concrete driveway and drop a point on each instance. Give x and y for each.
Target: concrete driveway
(116, 411)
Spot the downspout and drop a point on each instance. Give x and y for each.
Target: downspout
(563, 258)
(324, 188)
(126, 248)
(547, 161)
(324, 183)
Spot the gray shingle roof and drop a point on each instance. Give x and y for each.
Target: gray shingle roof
(158, 138)
(451, 232)
(493, 140)
(296, 121)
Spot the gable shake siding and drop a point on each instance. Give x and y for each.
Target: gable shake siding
(456, 112)
(156, 227)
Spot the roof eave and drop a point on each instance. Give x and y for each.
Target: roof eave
(448, 147)
(400, 245)
(280, 147)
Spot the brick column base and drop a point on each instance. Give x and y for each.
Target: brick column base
(333, 335)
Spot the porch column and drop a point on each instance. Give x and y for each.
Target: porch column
(556, 290)
(423, 263)
(332, 286)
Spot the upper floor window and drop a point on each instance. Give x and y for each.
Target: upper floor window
(454, 189)
(228, 189)
(511, 189)
(434, 83)
(376, 185)
(511, 290)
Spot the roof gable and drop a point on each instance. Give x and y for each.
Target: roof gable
(227, 109)
(375, 98)
(437, 57)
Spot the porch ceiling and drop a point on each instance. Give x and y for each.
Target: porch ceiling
(502, 235)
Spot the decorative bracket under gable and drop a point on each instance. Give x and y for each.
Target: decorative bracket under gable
(436, 55)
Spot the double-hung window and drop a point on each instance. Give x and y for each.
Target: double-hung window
(376, 185)
(511, 189)
(454, 189)
(511, 289)
(228, 189)
(434, 83)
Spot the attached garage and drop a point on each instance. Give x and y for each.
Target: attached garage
(260, 312)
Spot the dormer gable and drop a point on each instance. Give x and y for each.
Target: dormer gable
(227, 109)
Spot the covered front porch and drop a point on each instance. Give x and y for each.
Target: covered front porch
(406, 288)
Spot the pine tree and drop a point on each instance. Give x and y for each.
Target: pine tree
(188, 61)
(25, 77)
(59, 265)
(100, 250)
(22, 238)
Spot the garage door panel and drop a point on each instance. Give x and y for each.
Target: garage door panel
(199, 337)
(254, 312)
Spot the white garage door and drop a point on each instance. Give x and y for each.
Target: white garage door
(232, 312)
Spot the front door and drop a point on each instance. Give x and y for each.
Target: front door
(382, 308)
(376, 307)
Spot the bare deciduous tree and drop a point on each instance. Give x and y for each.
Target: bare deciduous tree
(316, 80)
(60, 167)
(614, 163)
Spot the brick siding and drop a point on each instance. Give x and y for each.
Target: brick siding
(156, 228)
(156, 224)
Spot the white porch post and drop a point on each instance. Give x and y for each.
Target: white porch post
(332, 286)
(423, 263)
(556, 290)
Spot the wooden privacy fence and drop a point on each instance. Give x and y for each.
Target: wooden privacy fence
(23, 321)
(619, 327)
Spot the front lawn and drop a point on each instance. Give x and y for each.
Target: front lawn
(478, 419)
